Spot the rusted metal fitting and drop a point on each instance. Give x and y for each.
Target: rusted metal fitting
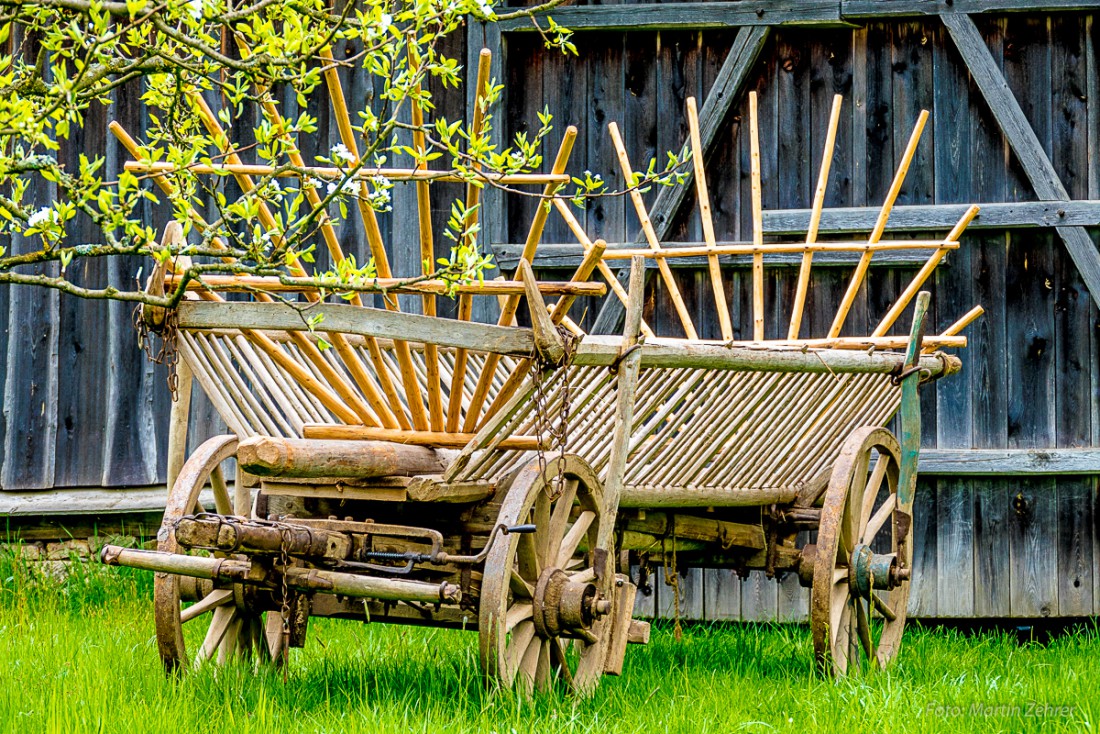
(870, 570)
(565, 607)
(806, 562)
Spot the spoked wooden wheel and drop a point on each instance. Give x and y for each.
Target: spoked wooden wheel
(862, 559)
(233, 627)
(543, 590)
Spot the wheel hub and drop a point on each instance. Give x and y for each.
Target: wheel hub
(870, 570)
(566, 608)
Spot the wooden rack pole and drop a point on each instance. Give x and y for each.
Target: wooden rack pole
(473, 198)
(968, 318)
(427, 264)
(530, 247)
(880, 227)
(557, 314)
(331, 173)
(705, 215)
(922, 275)
(608, 275)
(309, 349)
(327, 398)
(815, 220)
(757, 222)
(381, 261)
(650, 234)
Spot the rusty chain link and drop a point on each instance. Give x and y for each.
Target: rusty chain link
(545, 428)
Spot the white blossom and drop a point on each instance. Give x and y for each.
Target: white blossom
(385, 21)
(341, 152)
(194, 7)
(42, 215)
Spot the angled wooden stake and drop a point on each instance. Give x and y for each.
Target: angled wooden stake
(534, 236)
(757, 222)
(922, 275)
(650, 234)
(473, 211)
(548, 342)
(880, 227)
(608, 275)
(815, 220)
(720, 303)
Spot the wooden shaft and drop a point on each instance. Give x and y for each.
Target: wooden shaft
(880, 226)
(922, 275)
(720, 303)
(650, 234)
(592, 258)
(330, 173)
(815, 220)
(473, 198)
(436, 439)
(266, 456)
(265, 343)
(413, 396)
(350, 358)
(609, 276)
(970, 317)
(178, 420)
(629, 365)
(757, 222)
(534, 236)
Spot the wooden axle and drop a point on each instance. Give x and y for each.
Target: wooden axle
(292, 457)
(298, 579)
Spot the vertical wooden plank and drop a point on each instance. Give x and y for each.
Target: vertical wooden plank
(721, 594)
(645, 604)
(924, 588)
(1075, 568)
(1032, 544)
(759, 598)
(857, 105)
(691, 595)
(606, 216)
(794, 599)
(954, 522)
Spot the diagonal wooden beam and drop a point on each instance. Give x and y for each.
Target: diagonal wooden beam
(1023, 140)
(727, 87)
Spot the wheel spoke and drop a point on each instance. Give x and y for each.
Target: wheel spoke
(883, 608)
(273, 636)
(521, 588)
(573, 537)
(528, 558)
(222, 503)
(871, 492)
(214, 599)
(223, 618)
(517, 646)
(840, 574)
(583, 577)
(838, 602)
(529, 663)
(880, 518)
(557, 654)
(517, 614)
(542, 526)
(841, 648)
(863, 625)
(542, 669)
(232, 639)
(560, 518)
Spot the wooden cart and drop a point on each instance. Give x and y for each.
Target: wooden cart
(502, 479)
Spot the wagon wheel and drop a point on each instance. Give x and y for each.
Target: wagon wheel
(859, 597)
(538, 593)
(234, 628)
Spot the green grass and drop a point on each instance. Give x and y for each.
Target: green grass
(80, 656)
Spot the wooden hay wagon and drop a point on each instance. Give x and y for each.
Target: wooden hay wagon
(502, 479)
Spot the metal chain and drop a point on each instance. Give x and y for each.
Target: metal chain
(284, 607)
(168, 352)
(547, 430)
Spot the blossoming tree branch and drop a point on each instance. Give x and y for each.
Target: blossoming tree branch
(63, 57)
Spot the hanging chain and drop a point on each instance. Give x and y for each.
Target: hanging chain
(167, 353)
(554, 434)
(284, 607)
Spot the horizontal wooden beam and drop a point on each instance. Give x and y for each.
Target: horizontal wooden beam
(715, 15)
(1009, 462)
(206, 315)
(89, 501)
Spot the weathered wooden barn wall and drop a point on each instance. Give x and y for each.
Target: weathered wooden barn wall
(1001, 533)
(988, 545)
